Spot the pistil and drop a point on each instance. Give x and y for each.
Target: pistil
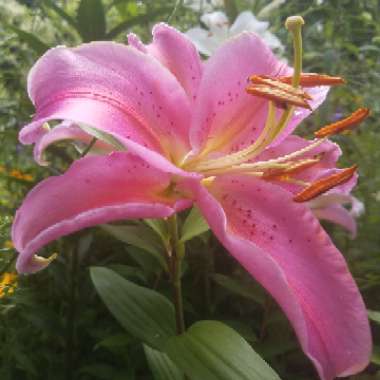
(270, 89)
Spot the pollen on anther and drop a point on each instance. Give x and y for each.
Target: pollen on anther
(321, 186)
(343, 125)
(313, 79)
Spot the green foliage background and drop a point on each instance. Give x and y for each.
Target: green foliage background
(54, 326)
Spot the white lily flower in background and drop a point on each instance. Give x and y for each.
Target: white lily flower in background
(219, 30)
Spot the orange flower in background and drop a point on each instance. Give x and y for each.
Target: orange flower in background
(19, 175)
(8, 283)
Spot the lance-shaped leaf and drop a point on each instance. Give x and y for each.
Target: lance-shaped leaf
(91, 20)
(161, 366)
(144, 313)
(210, 350)
(141, 237)
(194, 225)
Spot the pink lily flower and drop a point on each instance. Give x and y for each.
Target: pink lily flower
(330, 207)
(194, 136)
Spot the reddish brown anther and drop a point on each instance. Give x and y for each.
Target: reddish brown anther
(343, 125)
(279, 92)
(275, 83)
(312, 80)
(322, 185)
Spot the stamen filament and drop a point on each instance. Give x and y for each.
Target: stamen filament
(292, 168)
(245, 154)
(288, 157)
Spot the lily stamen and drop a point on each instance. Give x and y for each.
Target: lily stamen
(343, 125)
(293, 168)
(279, 95)
(278, 83)
(272, 127)
(322, 185)
(312, 80)
(280, 92)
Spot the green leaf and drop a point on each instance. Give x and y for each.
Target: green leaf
(30, 39)
(114, 341)
(159, 226)
(65, 16)
(161, 366)
(376, 355)
(128, 271)
(374, 316)
(236, 287)
(210, 350)
(139, 236)
(231, 10)
(137, 20)
(194, 225)
(98, 371)
(144, 313)
(147, 262)
(91, 20)
(242, 328)
(102, 136)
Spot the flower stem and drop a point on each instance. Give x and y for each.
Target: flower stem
(177, 255)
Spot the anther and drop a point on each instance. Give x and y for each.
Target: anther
(322, 185)
(279, 92)
(312, 80)
(343, 125)
(279, 84)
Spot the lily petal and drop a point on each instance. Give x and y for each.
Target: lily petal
(337, 214)
(222, 104)
(112, 87)
(330, 207)
(282, 245)
(65, 131)
(176, 52)
(95, 190)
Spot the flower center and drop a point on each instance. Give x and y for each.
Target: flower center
(283, 93)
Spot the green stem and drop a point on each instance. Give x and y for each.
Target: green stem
(177, 255)
(71, 315)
